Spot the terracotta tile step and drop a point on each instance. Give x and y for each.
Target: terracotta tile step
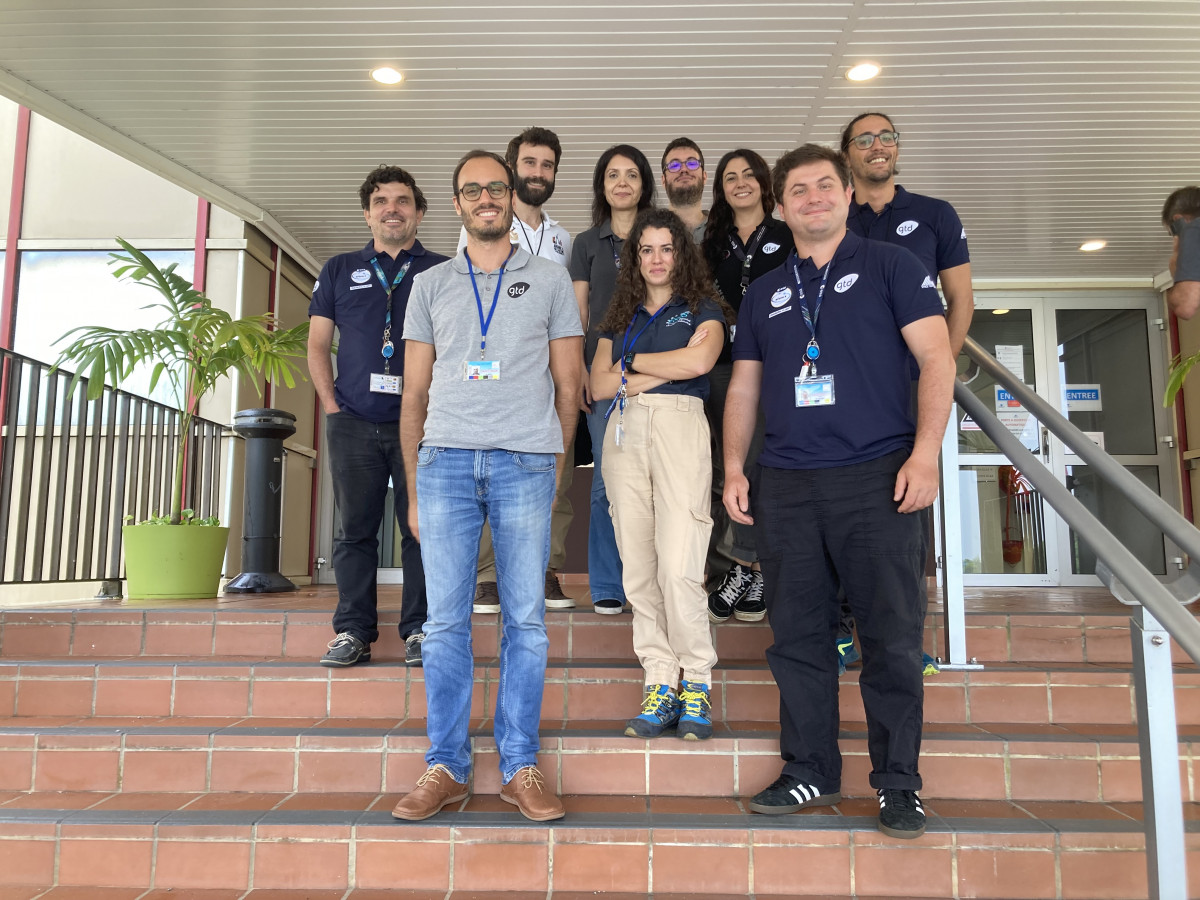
(1066, 637)
(337, 756)
(985, 850)
(575, 691)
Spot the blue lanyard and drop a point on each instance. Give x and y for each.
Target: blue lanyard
(626, 346)
(813, 350)
(612, 244)
(485, 324)
(388, 347)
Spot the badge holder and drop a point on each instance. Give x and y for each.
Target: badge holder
(386, 383)
(811, 389)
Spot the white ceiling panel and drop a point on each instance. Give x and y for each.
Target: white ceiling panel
(1045, 123)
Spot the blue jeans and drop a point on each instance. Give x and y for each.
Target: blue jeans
(604, 562)
(362, 457)
(456, 491)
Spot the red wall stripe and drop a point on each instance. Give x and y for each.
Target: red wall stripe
(8, 309)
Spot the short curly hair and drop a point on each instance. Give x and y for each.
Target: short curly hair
(390, 175)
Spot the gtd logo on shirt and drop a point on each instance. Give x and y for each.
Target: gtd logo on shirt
(781, 296)
(906, 228)
(316, 284)
(770, 248)
(360, 276)
(963, 236)
(844, 284)
(518, 289)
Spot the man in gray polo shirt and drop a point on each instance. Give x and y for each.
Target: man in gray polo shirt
(492, 345)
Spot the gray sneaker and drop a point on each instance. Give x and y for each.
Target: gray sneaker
(487, 598)
(412, 648)
(555, 598)
(346, 650)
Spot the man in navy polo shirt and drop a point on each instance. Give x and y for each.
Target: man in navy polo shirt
(824, 342)
(884, 211)
(364, 295)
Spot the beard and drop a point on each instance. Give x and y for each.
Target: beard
(489, 231)
(685, 196)
(534, 191)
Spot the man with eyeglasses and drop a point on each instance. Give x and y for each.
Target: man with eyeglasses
(364, 295)
(683, 178)
(1181, 217)
(534, 156)
(930, 228)
(491, 378)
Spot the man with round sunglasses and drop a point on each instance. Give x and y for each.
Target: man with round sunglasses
(493, 341)
(883, 210)
(534, 157)
(683, 178)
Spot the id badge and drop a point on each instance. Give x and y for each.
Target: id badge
(481, 370)
(385, 384)
(814, 391)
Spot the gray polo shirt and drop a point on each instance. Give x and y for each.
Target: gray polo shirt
(536, 305)
(592, 261)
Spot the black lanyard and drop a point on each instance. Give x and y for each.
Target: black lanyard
(529, 240)
(747, 256)
(813, 350)
(388, 347)
(485, 324)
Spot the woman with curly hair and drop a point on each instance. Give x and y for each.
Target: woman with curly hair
(661, 335)
(741, 242)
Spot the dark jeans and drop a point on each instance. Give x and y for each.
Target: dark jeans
(730, 540)
(815, 529)
(362, 456)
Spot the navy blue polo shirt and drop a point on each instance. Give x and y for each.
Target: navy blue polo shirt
(672, 330)
(768, 253)
(350, 293)
(873, 290)
(929, 227)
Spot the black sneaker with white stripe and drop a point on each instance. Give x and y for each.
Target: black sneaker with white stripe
(900, 813)
(788, 794)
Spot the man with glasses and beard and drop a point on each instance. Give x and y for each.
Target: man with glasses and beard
(683, 179)
(928, 227)
(491, 388)
(533, 155)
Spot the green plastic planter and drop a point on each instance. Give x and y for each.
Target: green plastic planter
(173, 562)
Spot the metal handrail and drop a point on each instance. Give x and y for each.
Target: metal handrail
(1145, 587)
(1153, 675)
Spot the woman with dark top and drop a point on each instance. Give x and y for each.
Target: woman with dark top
(622, 184)
(661, 336)
(741, 242)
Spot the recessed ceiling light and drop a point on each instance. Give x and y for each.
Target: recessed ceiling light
(387, 75)
(863, 72)
(1092, 246)
(999, 312)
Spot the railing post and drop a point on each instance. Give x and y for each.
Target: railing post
(1158, 741)
(949, 512)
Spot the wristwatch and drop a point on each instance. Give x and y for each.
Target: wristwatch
(629, 364)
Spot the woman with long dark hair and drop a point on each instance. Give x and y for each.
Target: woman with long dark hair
(622, 184)
(741, 242)
(661, 336)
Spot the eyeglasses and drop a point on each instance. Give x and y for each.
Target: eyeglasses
(886, 138)
(675, 166)
(473, 191)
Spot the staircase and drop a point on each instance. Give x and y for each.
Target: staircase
(199, 752)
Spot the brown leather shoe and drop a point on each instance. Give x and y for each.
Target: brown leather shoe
(528, 792)
(434, 790)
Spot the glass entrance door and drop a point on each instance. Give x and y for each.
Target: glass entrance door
(1101, 362)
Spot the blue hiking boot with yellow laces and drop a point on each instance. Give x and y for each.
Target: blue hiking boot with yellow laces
(660, 710)
(695, 720)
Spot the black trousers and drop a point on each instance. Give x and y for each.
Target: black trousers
(362, 457)
(816, 529)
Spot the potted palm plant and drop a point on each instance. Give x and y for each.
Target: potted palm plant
(175, 555)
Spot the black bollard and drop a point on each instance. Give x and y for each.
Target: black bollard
(264, 431)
